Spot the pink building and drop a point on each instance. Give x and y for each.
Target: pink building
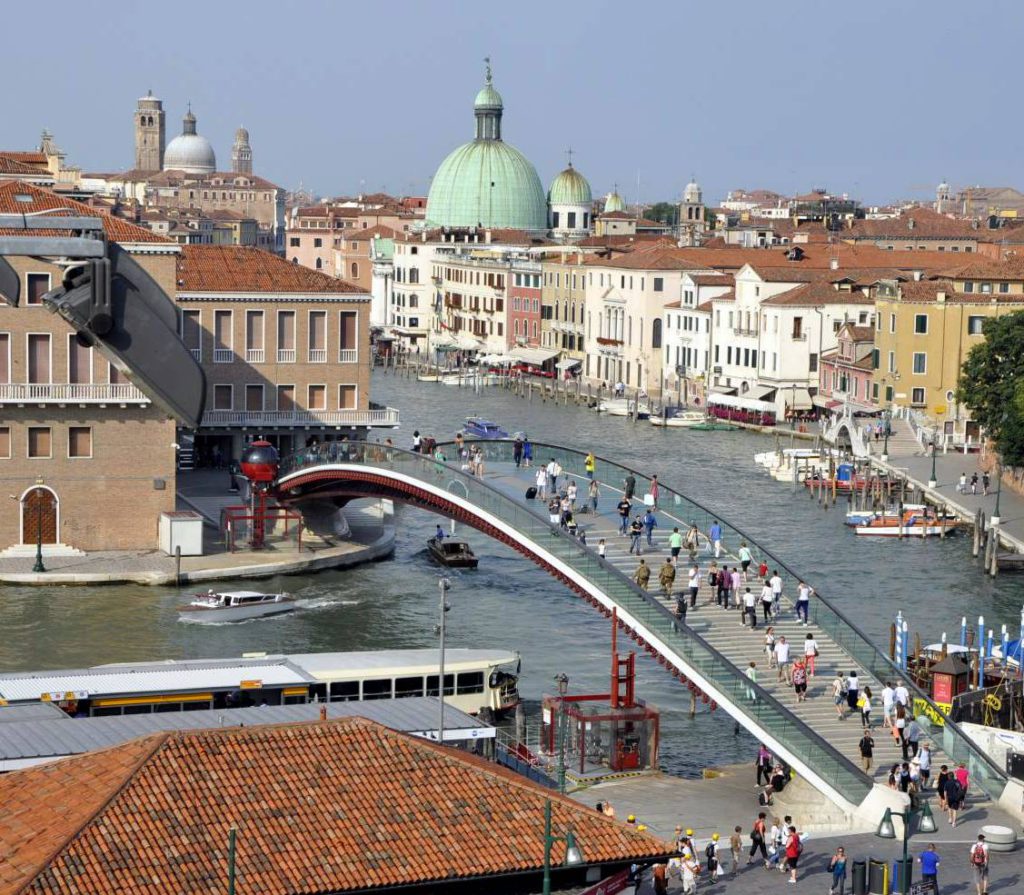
(845, 374)
(523, 315)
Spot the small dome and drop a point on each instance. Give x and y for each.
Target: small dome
(241, 135)
(488, 98)
(188, 151)
(570, 188)
(614, 202)
(692, 192)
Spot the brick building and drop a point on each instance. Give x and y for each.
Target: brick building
(285, 350)
(86, 455)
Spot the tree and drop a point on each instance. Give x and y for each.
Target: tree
(992, 385)
(666, 212)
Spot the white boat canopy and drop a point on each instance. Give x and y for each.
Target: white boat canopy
(534, 356)
(567, 363)
(497, 359)
(741, 403)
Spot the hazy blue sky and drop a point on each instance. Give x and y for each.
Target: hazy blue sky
(880, 99)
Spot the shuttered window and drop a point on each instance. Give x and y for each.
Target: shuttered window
(38, 358)
(39, 442)
(79, 442)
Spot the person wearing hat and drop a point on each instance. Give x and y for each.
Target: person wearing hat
(711, 853)
(687, 848)
(631, 819)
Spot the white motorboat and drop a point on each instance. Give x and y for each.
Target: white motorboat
(684, 419)
(624, 407)
(235, 606)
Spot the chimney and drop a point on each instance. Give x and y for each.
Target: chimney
(940, 297)
(910, 223)
(323, 713)
(833, 264)
(917, 276)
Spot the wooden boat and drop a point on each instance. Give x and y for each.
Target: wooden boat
(713, 425)
(451, 553)
(682, 419)
(235, 606)
(863, 517)
(911, 524)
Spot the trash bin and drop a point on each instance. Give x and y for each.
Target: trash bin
(859, 880)
(898, 870)
(878, 877)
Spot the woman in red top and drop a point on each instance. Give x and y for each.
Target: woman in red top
(963, 777)
(793, 849)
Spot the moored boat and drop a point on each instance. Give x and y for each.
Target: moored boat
(452, 553)
(235, 606)
(624, 407)
(683, 419)
(909, 524)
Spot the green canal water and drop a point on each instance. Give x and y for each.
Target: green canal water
(510, 603)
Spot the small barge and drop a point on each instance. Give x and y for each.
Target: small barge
(451, 553)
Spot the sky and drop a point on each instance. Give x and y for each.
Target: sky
(876, 98)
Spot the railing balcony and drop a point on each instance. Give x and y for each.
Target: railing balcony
(71, 393)
(382, 416)
(286, 355)
(223, 355)
(254, 355)
(348, 355)
(318, 355)
(799, 337)
(197, 353)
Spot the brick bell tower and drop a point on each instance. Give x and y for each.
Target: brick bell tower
(149, 133)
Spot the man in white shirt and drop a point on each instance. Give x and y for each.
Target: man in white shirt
(693, 582)
(888, 701)
(749, 607)
(776, 584)
(782, 658)
(902, 695)
(803, 601)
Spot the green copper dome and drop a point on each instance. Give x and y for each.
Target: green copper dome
(614, 202)
(569, 188)
(486, 182)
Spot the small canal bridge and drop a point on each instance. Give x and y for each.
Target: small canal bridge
(707, 653)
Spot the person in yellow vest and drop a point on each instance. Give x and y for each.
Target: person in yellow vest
(590, 464)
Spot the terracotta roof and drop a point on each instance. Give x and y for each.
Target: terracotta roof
(33, 157)
(12, 166)
(927, 290)
(325, 807)
(861, 333)
(710, 279)
(725, 296)
(988, 269)
(206, 268)
(617, 216)
(369, 232)
(117, 229)
(915, 223)
(820, 292)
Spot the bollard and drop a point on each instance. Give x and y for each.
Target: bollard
(976, 544)
(177, 565)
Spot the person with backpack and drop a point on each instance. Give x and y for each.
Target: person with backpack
(711, 857)
(979, 863)
(954, 798)
(757, 834)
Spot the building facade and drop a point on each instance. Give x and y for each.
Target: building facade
(285, 350)
(846, 373)
(88, 458)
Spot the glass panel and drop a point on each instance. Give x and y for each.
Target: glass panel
(377, 689)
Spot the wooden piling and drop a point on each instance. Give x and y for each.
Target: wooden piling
(976, 543)
(693, 704)
(892, 641)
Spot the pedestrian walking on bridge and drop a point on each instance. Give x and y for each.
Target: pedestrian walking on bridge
(636, 530)
(667, 576)
(642, 575)
(590, 465)
(624, 507)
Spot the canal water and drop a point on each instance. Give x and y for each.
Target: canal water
(510, 603)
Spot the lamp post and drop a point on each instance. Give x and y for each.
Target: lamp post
(886, 419)
(933, 481)
(573, 854)
(887, 830)
(562, 680)
(792, 408)
(443, 585)
(39, 496)
(995, 520)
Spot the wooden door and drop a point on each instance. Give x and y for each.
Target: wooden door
(39, 513)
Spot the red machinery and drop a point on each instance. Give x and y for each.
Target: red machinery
(259, 464)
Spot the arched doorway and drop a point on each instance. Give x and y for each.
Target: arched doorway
(39, 507)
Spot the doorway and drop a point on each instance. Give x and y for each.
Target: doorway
(39, 516)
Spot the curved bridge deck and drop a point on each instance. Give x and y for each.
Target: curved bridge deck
(709, 652)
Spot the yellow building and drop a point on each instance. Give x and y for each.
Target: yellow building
(924, 330)
(563, 304)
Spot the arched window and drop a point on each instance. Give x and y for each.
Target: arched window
(319, 263)
(656, 333)
(414, 274)
(515, 328)
(355, 270)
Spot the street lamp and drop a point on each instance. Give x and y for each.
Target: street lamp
(995, 520)
(933, 481)
(887, 830)
(792, 408)
(562, 680)
(443, 585)
(573, 854)
(887, 418)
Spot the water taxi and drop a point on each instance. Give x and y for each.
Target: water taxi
(481, 428)
(683, 419)
(451, 553)
(910, 524)
(624, 407)
(235, 606)
(474, 679)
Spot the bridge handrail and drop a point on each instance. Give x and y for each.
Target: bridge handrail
(765, 710)
(845, 633)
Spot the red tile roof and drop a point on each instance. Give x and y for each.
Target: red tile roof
(12, 166)
(324, 807)
(33, 157)
(820, 292)
(988, 269)
(41, 199)
(206, 268)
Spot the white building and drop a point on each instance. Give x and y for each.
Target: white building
(688, 347)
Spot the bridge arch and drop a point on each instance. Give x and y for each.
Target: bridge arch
(372, 470)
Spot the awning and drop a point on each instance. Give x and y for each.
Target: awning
(738, 403)
(567, 364)
(798, 399)
(721, 390)
(761, 392)
(467, 342)
(829, 403)
(533, 356)
(496, 359)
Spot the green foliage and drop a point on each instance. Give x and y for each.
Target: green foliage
(992, 385)
(666, 212)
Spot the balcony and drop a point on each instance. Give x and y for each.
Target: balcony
(254, 355)
(381, 416)
(799, 337)
(348, 355)
(197, 353)
(71, 393)
(318, 355)
(223, 355)
(286, 355)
